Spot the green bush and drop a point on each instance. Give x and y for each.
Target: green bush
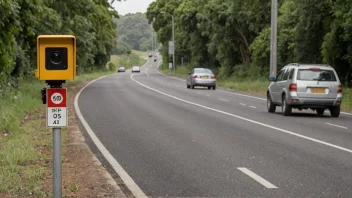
(112, 67)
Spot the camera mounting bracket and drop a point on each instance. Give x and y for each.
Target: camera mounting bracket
(55, 83)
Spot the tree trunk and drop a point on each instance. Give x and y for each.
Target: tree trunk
(245, 55)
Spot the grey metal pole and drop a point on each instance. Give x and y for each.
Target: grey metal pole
(273, 40)
(152, 41)
(57, 180)
(156, 41)
(173, 40)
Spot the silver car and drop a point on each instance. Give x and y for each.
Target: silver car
(305, 86)
(121, 69)
(201, 77)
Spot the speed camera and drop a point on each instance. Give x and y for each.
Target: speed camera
(56, 57)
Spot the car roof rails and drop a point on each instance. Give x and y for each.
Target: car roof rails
(296, 64)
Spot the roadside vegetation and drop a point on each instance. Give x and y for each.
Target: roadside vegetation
(25, 140)
(128, 60)
(133, 32)
(232, 37)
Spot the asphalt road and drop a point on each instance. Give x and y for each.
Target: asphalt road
(179, 142)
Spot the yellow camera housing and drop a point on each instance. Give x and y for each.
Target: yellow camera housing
(56, 57)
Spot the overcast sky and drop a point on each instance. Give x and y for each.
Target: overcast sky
(131, 6)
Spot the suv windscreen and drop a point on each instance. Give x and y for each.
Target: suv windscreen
(313, 75)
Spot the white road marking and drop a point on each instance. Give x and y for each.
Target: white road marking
(257, 178)
(128, 181)
(207, 95)
(242, 95)
(246, 119)
(346, 113)
(171, 76)
(223, 100)
(336, 125)
(242, 104)
(253, 107)
(146, 71)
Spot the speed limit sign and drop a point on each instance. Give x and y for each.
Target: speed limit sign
(56, 107)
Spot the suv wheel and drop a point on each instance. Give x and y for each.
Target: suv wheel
(270, 105)
(335, 111)
(320, 111)
(286, 108)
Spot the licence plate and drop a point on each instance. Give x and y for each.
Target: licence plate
(318, 90)
(205, 77)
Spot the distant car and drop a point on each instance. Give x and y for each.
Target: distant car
(121, 69)
(136, 69)
(305, 86)
(150, 55)
(201, 77)
(155, 58)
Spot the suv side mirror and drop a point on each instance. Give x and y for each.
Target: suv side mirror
(273, 79)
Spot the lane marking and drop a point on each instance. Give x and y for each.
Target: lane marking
(223, 100)
(257, 178)
(242, 104)
(336, 125)
(253, 107)
(246, 119)
(171, 76)
(346, 113)
(146, 71)
(207, 95)
(242, 95)
(127, 180)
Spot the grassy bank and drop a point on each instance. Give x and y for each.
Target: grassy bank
(253, 85)
(128, 61)
(25, 140)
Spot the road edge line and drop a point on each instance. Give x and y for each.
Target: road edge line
(128, 181)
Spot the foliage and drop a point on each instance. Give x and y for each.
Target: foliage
(233, 36)
(22, 21)
(133, 32)
(112, 66)
(128, 61)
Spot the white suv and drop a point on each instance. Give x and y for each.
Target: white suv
(305, 86)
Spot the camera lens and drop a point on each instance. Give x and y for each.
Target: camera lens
(56, 57)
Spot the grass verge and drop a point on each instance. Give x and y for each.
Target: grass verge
(25, 140)
(255, 86)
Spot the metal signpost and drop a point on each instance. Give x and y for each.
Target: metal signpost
(170, 66)
(172, 51)
(273, 40)
(56, 63)
(56, 117)
(173, 40)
